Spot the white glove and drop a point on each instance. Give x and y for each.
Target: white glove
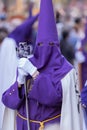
(21, 76)
(27, 66)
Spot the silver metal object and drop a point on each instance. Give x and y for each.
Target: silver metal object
(27, 108)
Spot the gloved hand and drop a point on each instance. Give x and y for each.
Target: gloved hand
(25, 67)
(21, 76)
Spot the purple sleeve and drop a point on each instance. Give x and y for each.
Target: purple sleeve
(45, 92)
(11, 97)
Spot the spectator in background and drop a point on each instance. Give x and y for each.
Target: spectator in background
(3, 21)
(66, 47)
(77, 31)
(68, 21)
(76, 35)
(3, 34)
(59, 24)
(81, 55)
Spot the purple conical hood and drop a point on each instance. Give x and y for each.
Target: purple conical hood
(47, 25)
(22, 33)
(47, 55)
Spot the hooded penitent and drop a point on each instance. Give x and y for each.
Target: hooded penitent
(47, 55)
(84, 64)
(45, 95)
(23, 32)
(49, 60)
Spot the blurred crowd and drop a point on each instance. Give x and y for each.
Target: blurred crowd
(71, 28)
(71, 24)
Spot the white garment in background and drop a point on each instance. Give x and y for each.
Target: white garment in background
(9, 119)
(71, 119)
(8, 66)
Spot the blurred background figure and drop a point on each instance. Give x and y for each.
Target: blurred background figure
(12, 40)
(67, 48)
(3, 34)
(77, 32)
(59, 24)
(3, 20)
(81, 55)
